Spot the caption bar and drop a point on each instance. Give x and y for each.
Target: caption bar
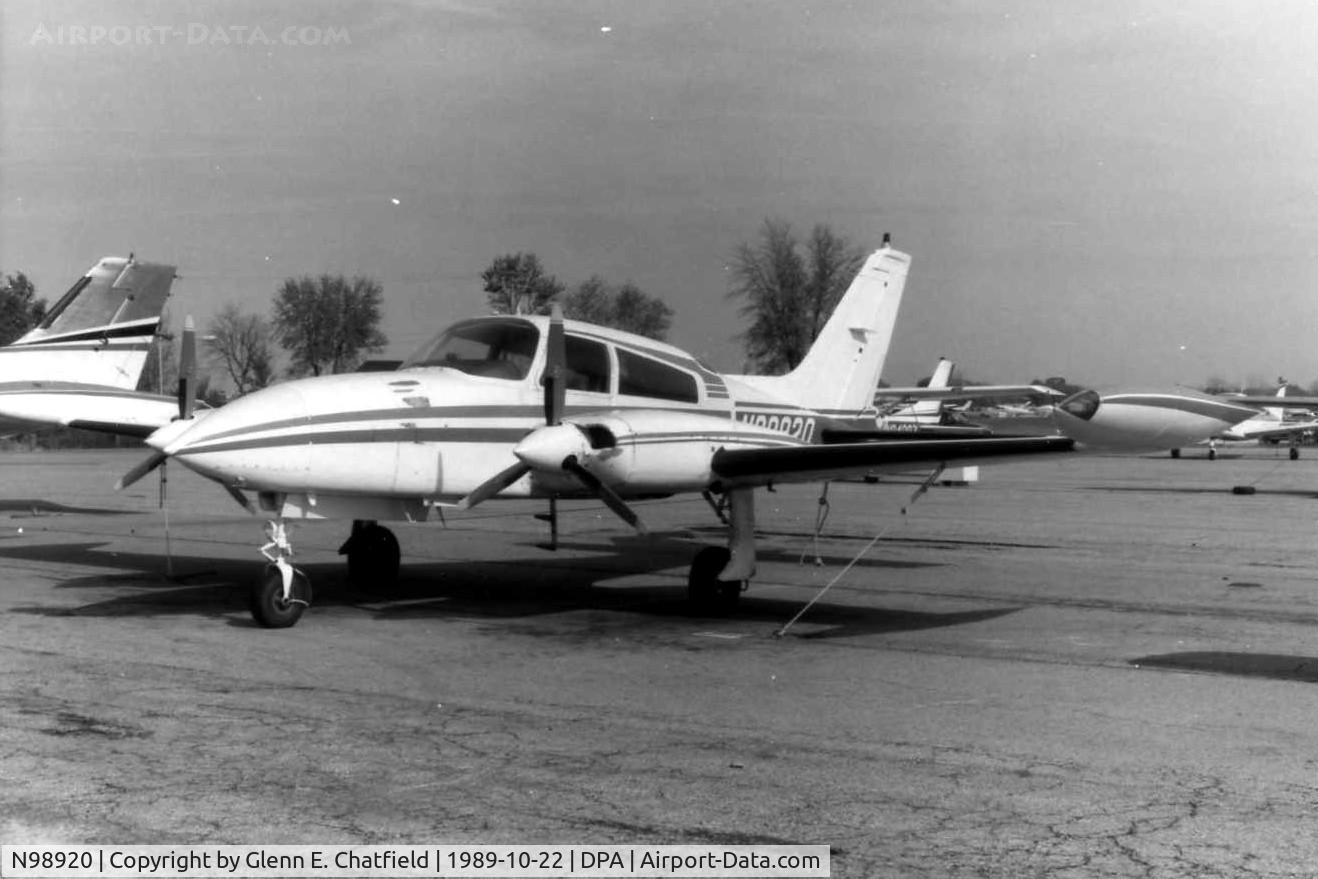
(368, 861)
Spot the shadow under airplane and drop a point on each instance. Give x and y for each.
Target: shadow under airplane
(495, 590)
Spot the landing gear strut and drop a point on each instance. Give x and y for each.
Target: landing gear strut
(282, 592)
(373, 556)
(719, 574)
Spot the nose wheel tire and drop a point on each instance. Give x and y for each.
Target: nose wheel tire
(373, 557)
(705, 592)
(267, 603)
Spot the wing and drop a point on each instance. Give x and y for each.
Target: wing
(812, 463)
(966, 392)
(1275, 402)
(26, 406)
(1285, 428)
(844, 435)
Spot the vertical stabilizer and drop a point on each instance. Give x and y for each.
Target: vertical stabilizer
(929, 411)
(99, 332)
(841, 370)
(1276, 413)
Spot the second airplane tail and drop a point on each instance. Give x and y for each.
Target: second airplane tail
(99, 332)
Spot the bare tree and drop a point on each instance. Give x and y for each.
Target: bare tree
(787, 297)
(239, 344)
(326, 323)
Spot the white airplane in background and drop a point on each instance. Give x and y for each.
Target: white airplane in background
(1270, 422)
(539, 407)
(924, 411)
(80, 365)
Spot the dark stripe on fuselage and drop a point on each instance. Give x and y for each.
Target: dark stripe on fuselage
(502, 411)
(81, 390)
(485, 435)
(1193, 405)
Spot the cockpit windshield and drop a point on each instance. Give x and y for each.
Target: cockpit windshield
(1082, 405)
(492, 348)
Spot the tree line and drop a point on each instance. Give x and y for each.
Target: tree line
(328, 324)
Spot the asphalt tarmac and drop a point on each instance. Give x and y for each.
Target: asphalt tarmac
(1080, 667)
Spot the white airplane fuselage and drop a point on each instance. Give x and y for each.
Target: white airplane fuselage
(1145, 420)
(433, 434)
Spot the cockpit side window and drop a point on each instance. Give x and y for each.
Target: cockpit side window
(495, 349)
(643, 377)
(587, 365)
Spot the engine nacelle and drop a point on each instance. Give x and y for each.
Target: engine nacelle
(650, 451)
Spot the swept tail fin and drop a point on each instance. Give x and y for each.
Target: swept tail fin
(930, 410)
(99, 332)
(841, 370)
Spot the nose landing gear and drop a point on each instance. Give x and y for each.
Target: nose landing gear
(282, 591)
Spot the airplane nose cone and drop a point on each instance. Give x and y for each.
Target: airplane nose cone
(547, 447)
(248, 441)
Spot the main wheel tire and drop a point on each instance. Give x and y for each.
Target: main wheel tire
(266, 600)
(1212, 454)
(1295, 454)
(1176, 453)
(373, 558)
(705, 591)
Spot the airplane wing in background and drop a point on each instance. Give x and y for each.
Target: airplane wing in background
(966, 392)
(1271, 402)
(1283, 429)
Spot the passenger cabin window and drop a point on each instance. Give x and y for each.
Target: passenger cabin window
(643, 377)
(492, 348)
(587, 365)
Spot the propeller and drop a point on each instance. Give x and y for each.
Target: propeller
(555, 380)
(604, 493)
(187, 374)
(187, 402)
(556, 446)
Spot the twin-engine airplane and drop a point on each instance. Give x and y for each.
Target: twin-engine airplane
(79, 366)
(540, 407)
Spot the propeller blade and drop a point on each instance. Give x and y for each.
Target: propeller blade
(142, 469)
(492, 486)
(187, 375)
(606, 494)
(240, 498)
(555, 380)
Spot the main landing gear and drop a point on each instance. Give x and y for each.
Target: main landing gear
(720, 574)
(705, 591)
(373, 556)
(282, 592)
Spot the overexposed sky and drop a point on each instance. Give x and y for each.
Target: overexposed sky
(1118, 192)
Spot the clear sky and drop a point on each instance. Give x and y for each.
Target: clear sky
(1117, 192)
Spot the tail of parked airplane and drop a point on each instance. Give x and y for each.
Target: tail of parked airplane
(929, 411)
(99, 332)
(1276, 413)
(842, 367)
